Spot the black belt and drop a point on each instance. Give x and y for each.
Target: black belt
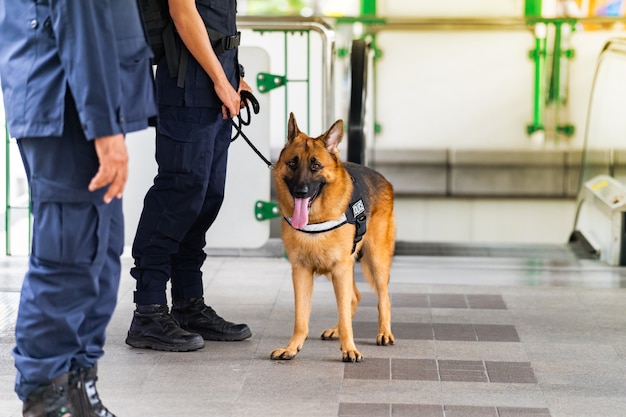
(222, 43)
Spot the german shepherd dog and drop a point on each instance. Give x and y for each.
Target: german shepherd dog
(322, 232)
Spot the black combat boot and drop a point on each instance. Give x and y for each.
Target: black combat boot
(154, 328)
(84, 395)
(197, 317)
(50, 400)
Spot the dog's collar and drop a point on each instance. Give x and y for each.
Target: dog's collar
(323, 226)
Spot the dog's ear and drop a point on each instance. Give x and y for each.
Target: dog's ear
(292, 128)
(333, 137)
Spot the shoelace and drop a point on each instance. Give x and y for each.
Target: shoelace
(94, 399)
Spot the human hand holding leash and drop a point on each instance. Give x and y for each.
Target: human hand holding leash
(231, 100)
(244, 86)
(247, 99)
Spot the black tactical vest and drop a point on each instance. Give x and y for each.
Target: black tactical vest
(197, 91)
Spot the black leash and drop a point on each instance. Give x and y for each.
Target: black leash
(248, 98)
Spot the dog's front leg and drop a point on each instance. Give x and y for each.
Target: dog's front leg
(302, 291)
(333, 332)
(343, 279)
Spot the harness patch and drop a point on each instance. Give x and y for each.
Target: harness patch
(358, 207)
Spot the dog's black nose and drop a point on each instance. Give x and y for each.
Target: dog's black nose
(301, 191)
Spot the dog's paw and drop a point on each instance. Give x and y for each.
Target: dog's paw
(330, 334)
(351, 356)
(384, 339)
(283, 354)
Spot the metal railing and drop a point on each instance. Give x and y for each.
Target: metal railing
(300, 24)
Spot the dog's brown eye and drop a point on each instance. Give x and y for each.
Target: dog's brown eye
(292, 163)
(315, 165)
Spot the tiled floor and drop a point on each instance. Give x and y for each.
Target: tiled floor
(486, 332)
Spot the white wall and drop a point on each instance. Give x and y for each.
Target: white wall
(454, 89)
(484, 220)
(472, 89)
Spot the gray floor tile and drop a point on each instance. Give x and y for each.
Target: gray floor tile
(473, 335)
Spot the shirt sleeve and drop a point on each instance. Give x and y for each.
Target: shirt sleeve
(87, 47)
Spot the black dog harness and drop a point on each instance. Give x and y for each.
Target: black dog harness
(354, 214)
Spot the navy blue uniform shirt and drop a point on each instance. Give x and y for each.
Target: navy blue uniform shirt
(96, 48)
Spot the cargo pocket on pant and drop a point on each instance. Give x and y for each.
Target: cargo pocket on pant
(65, 233)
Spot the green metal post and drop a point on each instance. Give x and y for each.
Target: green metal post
(538, 55)
(532, 8)
(568, 129)
(554, 95)
(368, 7)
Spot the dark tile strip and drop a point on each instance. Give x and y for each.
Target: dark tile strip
(409, 331)
(486, 301)
(496, 333)
(413, 410)
(469, 411)
(441, 370)
(523, 412)
(364, 410)
(375, 368)
(462, 371)
(452, 331)
(411, 369)
(408, 300)
(442, 331)
(511, 372)
(431, 410)
(413, 300)
(447, 301)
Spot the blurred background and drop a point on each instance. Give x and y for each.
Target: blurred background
(488, 116)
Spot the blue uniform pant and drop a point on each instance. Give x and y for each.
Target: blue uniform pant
(188, 191)
(70, 290)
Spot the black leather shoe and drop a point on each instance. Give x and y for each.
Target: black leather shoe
(50, 400)
(197, 317)
(154, 328)
(83, 394)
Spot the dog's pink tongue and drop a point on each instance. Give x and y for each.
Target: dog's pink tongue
(300, 216)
